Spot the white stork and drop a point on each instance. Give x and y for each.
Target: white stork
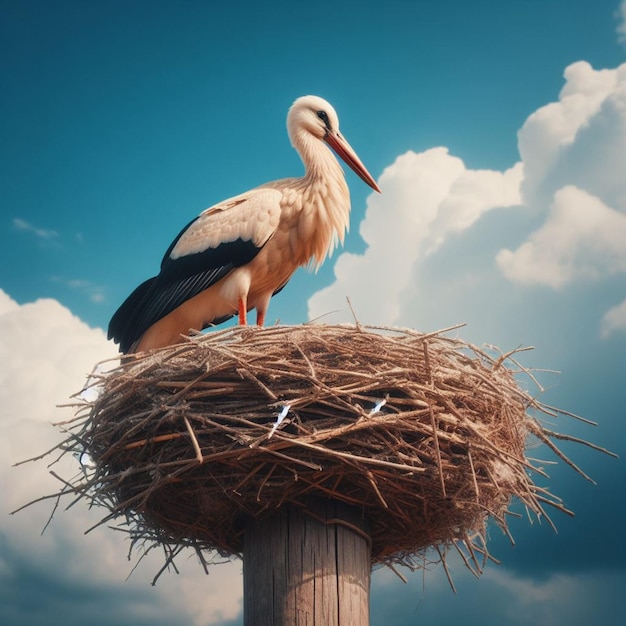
(237, 254)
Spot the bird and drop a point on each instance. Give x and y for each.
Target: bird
(237, 254)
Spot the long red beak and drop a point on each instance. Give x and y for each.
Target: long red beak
(350, 158)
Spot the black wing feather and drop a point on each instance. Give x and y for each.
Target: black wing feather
(179, 280)
(123, 319)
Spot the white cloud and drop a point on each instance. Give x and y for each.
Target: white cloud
(25, 226)
(46, 354)
(579, 140)
(574, 152)
(577, 597)
(560, 599)
(7, 304)
(581, 237)
(614, 320)
(95, 293)
(569, 185)
(554, 126)
(425, 198)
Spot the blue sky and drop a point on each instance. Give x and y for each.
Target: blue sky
(497, 132)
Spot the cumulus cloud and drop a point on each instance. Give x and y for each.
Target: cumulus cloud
(581, 139)
(425, 198)
(550, 140)
(581, 135)
(569, 184)
(581, 237)
(46, 354)
(574, 152)
(614, 320)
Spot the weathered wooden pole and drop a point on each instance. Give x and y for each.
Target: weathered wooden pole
(307, 567)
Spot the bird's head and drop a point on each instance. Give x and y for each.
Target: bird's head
(316, 117)
(313, 115)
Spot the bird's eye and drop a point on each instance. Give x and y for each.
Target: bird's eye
(324, 117)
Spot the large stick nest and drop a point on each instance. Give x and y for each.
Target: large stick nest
(425, 434)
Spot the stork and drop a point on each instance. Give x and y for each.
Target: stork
(237, 254)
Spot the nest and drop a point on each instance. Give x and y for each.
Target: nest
(423, 433)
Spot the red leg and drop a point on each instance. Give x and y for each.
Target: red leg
(242, 306)
(260, 317)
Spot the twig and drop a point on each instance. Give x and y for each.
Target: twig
(194, 441)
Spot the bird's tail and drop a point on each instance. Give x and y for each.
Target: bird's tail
(122, 327)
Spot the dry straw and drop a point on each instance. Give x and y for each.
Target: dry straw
(424, 433)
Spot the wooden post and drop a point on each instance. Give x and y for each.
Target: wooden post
(307, 567)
